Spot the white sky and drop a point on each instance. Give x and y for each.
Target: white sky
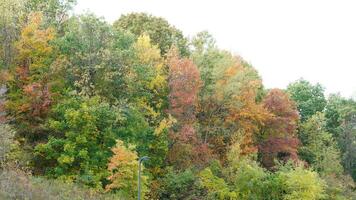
(283, 39)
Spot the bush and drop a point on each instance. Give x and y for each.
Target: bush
(177, 185)
(302, 184)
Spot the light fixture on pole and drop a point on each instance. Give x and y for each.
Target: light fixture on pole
(139, 175)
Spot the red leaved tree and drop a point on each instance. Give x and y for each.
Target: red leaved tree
(279, 139)
(184, 84)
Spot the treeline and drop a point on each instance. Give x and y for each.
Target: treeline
(85, 99)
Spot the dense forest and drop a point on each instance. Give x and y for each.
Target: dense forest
(82, 99)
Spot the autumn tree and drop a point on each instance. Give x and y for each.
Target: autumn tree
(123, 171)
(158, 29)
(246, 115)
(31, 84)
(228, 108)
(148, 80)
(278, 139)
(184, 84)
(14, 14)
(147, 122)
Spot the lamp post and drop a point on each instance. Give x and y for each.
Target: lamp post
(139, 175)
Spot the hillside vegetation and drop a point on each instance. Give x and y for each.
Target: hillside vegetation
(81, 100)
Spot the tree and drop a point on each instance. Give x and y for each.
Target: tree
(31, 85)
(347, 141)
(148, 80)
(184, 84)
(55, 12)
(319, 148)
(309, 98)
(94, 64)
(82, 133)
(14, 14)
(339, 114)
(228, 110)
(123, 170)
(158, 29)
(11, 12)
(147, 97)
(333, 114)
(278, 139)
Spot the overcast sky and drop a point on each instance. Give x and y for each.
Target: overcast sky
(283, 39)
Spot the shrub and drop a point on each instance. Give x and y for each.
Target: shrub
(177, 185)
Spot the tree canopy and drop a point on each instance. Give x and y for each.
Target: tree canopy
(81, 100)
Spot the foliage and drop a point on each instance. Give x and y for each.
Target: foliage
(11, 12)
(333, 114)
(94, 66)
(84, 99)
(147, 94)
(124, 172)
(339, 116)
(184, 84)
(244, 179)
(82, 133)
(177, 185)
(215, 186)
(55, 11)
(158, 29)
(347, 143)
(285, 115)
(279, 134)
(148, 80)
(319, 148)
(309, 98)
(227, 99)
(31, 88)
(302, 184)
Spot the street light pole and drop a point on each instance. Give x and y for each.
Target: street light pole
(139, 176)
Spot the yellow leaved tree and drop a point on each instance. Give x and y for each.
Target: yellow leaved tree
(123, 168)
